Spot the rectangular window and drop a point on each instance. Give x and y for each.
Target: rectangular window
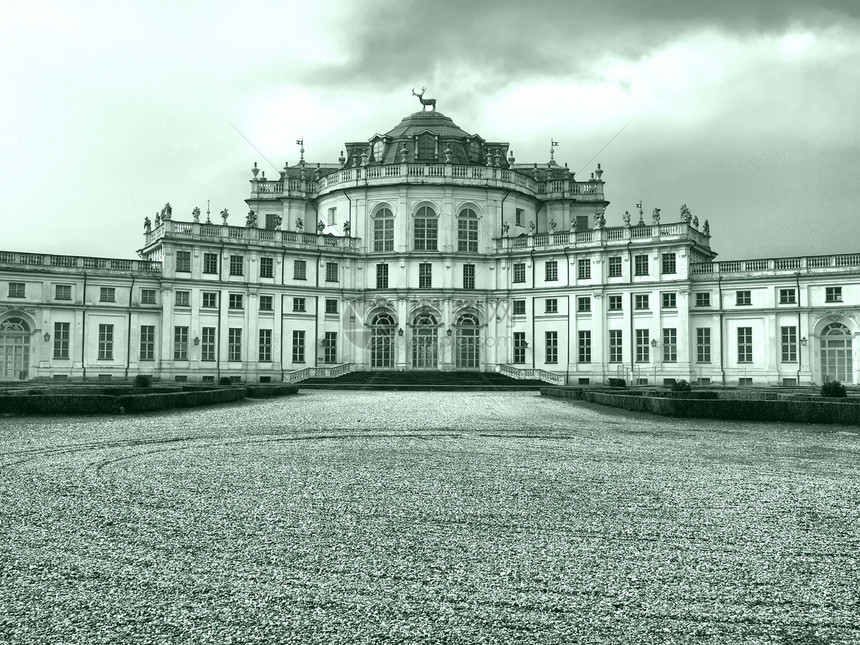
(63, 292)
(745, 354)
(332, 272)
(267, 303)
(787, 297)
(615, 266)
(298, 346)
(61, 339)
(332, 216)
(298, 304)
(210, 263)
(670, 300)
(183, 299)
(833, 294)
(299, 270)
(105, 342)
(210, 300)
(147, 296)
(583, 304)
(267, 267)
(330, 347)
(425, 275)
(583, 223)
(383, 231)
(236, 301)
(519, 307)
(551, 344)
(331, 305)
(615, 303)
(183, 261)
(551, 271)
(583, 269)
(17, 289)
(551, 306)
(703, 344)
(520, 347)
(147, 342)
(107, 294)
(234, 344)
(426, 233)
(703, 299)
(520, 217)
(237, 265)
(788, 343)
(615, 347)
(468, 276)
(265, 350)
(640, 265)
(519, 272)
(670, 345)
(668, 264)
(381, 276)
(643, 346)
(180, 343)
(467, 233)
(585, 347)
(207, 344)
(273, 221)
(640, 301)
(743, 298)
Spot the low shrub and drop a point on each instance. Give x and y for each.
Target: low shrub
(833, 389)
(143, 380)
(617, 382)
(681, 386)
(225, 380)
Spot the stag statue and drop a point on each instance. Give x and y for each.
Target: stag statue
(425, 102)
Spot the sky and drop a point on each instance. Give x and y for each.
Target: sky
(746, 111)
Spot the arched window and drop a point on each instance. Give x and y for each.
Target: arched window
(425, 336)
(467, 231)
(468, 342)
(14, 349)
(383, 230)
(378, 149)
(836, 351)
(426, 230)
(382, 341)
(426, 147)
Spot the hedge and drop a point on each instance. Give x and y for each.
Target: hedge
(150, 402)
(266, 391)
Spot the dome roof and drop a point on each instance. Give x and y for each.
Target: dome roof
(436, 122)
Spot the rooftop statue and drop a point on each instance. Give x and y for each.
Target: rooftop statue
(425, 102)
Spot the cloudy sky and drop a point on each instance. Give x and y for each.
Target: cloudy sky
(746, 111)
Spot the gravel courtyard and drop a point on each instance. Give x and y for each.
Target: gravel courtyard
(336, 517)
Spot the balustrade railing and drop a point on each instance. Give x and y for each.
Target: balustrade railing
(610, 235)
(513, 371)
(332, 371)
(249, 234)
(79, 263)
(792, 265)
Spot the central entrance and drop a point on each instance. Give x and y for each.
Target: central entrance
(425, 342)
(836, 349)
(14, 349)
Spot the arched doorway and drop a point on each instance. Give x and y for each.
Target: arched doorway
(382, 341)
(425, 342)
(836, 351)
(14, 349)
(467, 350)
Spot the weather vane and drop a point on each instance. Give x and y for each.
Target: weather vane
(425, 102)
(301, 144)
(552, 146)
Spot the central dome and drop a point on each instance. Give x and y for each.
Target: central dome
(434, 122)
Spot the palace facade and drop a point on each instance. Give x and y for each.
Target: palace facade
(429, 248)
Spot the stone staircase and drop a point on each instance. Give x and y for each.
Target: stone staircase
(419, 380)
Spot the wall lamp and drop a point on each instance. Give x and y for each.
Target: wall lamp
(400, 331)
(449, 331)
(653, 342)
(803, 341)
(47, 337)
(196, 340)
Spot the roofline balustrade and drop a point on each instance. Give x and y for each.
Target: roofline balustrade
(200, 232)
(608, 236)
(77, 263)
(776, 266)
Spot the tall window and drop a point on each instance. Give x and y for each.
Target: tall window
(61, 339)
(426, 147)
(330, 347)
(668, 264)
(63, 292)
(331, 272)
(745, 354)
(273, 221)
(583, 268)
(147, 342)
(180, 343)
(703, 344)
(468, 276)
(234, 344)
(643, 346)
(615, 346)
(267, 267)
(467, 231)
(788, 343)
(640, 265)
(519, 216)
(670, 345)
(425, 275)
(551, 344)
(298, 346)
(207, 344)
(265, 349)
(299, 270)
(383, 230)
(237, 266)
(520, 347)
(615, 266)
(519, 272)
(551, 271)
(426, 230)
(381, 276)
(584, 346)
(105, 342)
(332, 216)
(183, 261)
(210, 263)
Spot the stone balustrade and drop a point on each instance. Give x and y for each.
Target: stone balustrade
(775, 266)
(609, 236)
(411, 173)
(249, 235)
(77, 264)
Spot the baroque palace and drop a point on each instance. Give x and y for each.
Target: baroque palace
(429, 248)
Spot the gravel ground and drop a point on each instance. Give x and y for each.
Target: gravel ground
(334, 517)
